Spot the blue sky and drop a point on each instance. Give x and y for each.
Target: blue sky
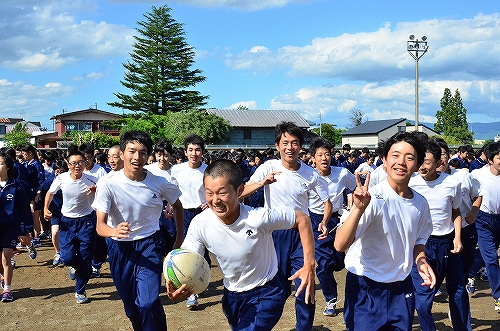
(314, 56)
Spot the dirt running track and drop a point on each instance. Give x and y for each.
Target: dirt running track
(44, 300)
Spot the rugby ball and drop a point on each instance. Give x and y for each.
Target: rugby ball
(183, 266)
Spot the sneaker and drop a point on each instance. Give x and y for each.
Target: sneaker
(192, 301)
(72, 273)
(20, 246)
(13, 262)
(56, 260)
(471, 286)
(36, 242)
(81, 298)
(44, 235)
(96, 272)
(2, 282)
(32, 251)
(438, 293)
(330, 308)
(7, 296)
(497, 304)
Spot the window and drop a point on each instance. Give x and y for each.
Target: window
(78, 126)
(3, 129)
(247, 134)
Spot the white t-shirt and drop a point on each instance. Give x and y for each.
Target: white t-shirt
(292, 188)
(244, 250)
(469, 189)
(97, 171)
(337, 181)
(365, 167)
(138, 203)
(489, 190)
(155, 170)
(378, 175)
(387, 233)
(190, 182)
(76, 201)
(442, 194)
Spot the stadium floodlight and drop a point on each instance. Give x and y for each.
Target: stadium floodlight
(416, 48)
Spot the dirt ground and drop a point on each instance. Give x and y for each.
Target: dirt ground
(44, 300)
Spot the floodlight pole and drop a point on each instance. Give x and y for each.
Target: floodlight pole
(416, 48)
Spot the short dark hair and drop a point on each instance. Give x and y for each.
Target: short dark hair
(346, 147)
(75, 153)
(441, 143)
(319, 142)
(224, 168)
(491, 150)
(290, 128)
(411, 138)
(87, 148)
(194, 139)
(162, 146)
(30, 149)
(136, 136)
(433, 148)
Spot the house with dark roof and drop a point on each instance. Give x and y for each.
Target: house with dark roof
(253, 128)
(8, 124)
(370, 133)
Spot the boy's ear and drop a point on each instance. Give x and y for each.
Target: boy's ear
(240, 190)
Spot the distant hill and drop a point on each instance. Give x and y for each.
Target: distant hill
(482, 131)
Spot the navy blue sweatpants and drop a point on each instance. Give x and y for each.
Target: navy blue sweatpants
(290, 259)
(136, 269)
(488, 233)
(77, 242)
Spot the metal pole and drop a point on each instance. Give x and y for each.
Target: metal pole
(320, 125)
(416, 95)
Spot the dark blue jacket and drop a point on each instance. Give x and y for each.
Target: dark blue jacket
(15, 205)
(477, 164)
(36, 174)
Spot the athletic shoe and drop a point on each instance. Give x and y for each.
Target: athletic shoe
(192, 301)
(497, 304)
(471, 286)
(2, 282)
(13, 262)
(44, 235)
(36, 242)
(72, 273)
(96, 273)
(81, 298)
(56, 260)
(438, 293)
(32, 251)
(7, 296)
(330, 308)
(20, 246)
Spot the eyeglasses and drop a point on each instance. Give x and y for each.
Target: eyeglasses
(74, 164)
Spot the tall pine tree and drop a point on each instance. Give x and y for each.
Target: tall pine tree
(159, 73)
(451, 120)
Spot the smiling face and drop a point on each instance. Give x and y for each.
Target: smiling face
(223, 198)
(289, 148)
(400, 163)
(76, 164)
(134, 158)
(428, 169)
(322, 161)
(114, 159)
(163, 159)
(194, 154)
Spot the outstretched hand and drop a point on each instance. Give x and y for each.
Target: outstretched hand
(361, 196)
(177, 295)
(306, 276)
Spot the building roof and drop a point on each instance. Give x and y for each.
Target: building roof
(83, 111)
(16, 120)
(373, 127)
(259, 118)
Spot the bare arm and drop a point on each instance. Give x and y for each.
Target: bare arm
(424, 269)
(251, 186)
(471, 216)
(456, 216)
(179, 222)
(322, 227)
(47, 214)
(307, 272)
(104, 230)
(345, 233)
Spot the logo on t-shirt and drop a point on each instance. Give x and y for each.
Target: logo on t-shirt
(249, 232)
(154, 196)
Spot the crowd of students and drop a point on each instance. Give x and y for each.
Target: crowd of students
(400, 220)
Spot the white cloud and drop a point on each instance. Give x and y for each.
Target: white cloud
(459, 48)
(48, 36)
(249, 104)
(247, 5)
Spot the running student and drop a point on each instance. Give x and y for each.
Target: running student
(327, 258)
(288, 183)
(15, 215)
(385, 233)
(253, 295)
(77, 231)
(128, 204)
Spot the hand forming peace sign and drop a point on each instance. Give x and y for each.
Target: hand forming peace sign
(361, 196)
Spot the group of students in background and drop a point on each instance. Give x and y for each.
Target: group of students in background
(400, 220)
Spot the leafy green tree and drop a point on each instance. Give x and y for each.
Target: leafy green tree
(19, 136)
(176, 126)
(158, 72)
(100, 140)
(451, 119)
(330, 133)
